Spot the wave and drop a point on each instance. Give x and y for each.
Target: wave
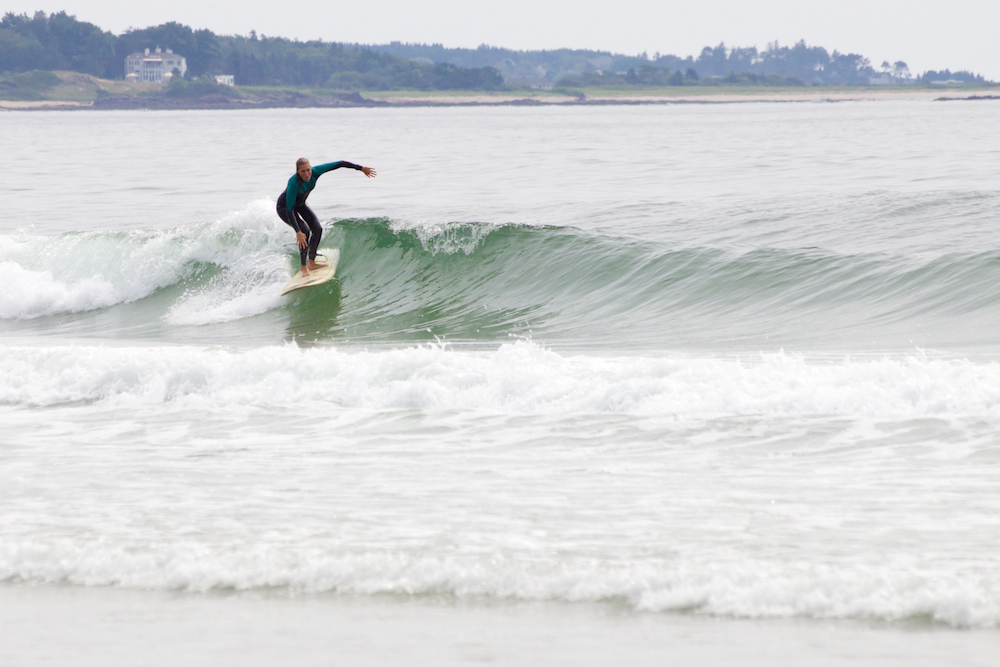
(745, 588)
(192, 419)
(487, 282)
(85, 271)
(518, 378)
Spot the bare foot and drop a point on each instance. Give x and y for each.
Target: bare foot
(314, 266)
(305, 271)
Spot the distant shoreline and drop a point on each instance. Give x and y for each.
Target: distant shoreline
(253, 99)
(700, 95)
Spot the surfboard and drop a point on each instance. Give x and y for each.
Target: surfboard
(317, 277)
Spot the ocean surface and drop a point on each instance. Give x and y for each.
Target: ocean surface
(737, 361)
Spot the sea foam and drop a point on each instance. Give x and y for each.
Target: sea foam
(81, 271)
(707, 585)
(519, 377)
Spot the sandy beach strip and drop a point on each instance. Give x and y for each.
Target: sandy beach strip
(15, 105)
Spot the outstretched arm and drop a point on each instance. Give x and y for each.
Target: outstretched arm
(321, 169)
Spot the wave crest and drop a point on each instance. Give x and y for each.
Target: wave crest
(485, 282)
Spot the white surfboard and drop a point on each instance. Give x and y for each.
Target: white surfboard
(317, 277)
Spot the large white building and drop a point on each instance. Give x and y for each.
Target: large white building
(154, 67)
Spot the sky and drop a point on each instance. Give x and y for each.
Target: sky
(958, 35)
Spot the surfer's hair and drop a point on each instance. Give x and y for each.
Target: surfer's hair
(301, 161)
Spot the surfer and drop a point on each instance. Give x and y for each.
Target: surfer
(293, 210)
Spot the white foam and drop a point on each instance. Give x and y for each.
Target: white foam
(33, 293)
(407, 518)
(448, 238)
(519, 378)
(78, 272)
(249, 286)
(744, 589)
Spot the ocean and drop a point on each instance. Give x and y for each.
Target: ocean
(694, 383)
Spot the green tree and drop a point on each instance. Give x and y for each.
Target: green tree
(84, 47)
(19, 52)
(54, 42)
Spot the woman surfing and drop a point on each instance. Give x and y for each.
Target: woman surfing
(292, 207)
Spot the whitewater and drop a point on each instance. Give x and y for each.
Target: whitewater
(680, 364)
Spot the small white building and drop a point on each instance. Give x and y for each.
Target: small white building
(155, 67)
(225, 79)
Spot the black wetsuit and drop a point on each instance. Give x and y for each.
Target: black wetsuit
(292, 207)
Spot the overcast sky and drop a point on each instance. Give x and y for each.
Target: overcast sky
(959, 34)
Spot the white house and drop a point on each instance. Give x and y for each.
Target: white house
(154, 67)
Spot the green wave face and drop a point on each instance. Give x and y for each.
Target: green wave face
(486, 283)
(466, 282)
(472, 283)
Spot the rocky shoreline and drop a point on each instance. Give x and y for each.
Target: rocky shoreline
(348, 100)
(292, 100)
(305, 101)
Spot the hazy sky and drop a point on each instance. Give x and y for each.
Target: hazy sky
(959, 34)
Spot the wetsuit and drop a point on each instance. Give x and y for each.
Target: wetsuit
(293, 210)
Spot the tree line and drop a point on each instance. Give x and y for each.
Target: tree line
(799, 64)
(809, 65)
(650, 75)
(61, 42)
(963, 76)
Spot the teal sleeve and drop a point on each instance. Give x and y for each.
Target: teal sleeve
(321, 169)
(291, 192)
